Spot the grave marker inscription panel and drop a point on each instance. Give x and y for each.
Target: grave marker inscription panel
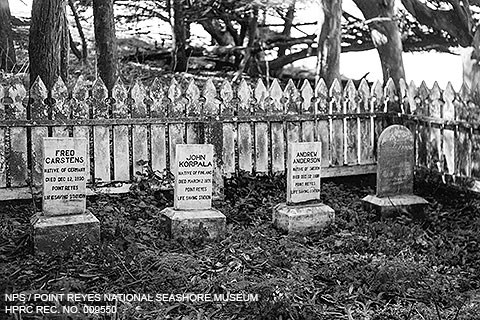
(303, 171)
(395, 162)
(193, 176)
(64, 176)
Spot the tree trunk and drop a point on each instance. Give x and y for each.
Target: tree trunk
(180, 59)
(106, 42)
(48, 42)
(84, 53)
(385, 35)
(221, 37)
(471, 64)
(253, 56)
(287, 28)
(7, 50)
(74, 48)
(329, 42)
(249, 63)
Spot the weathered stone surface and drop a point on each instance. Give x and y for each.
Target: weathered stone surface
(209, 223)
(396, 205)
(64, 234)
(64, 176)
(193, 176)
(395, 162)
(303, 171)
(395, 176)
(302, 219)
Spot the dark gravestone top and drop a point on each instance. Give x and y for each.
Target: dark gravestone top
(395, 162)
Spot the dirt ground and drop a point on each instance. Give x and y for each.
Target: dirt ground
(361, 267)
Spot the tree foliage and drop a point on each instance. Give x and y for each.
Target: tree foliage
(244, 38)
(453, 18)
(434, 24)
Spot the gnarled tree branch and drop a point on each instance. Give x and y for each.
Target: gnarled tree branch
(456, 22)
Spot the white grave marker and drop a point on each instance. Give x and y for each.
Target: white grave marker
(64, 176)
(303, 171)
(193, 176)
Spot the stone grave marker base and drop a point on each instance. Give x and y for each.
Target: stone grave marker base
(302, 218)
(63, 234)
(393, 206)
(193, 223)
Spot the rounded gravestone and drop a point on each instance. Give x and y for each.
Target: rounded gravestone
(395, 162)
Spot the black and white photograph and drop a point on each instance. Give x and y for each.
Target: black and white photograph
(240, 159)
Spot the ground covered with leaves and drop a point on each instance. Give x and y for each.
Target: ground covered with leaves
(361, 267)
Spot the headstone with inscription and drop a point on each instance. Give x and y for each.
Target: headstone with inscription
(64, 224)
(395, 167)
(303, 212)
(192, 214)
(193, 177)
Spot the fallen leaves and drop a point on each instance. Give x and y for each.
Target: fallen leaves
(362, 267)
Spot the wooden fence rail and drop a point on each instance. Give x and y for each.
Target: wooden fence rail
(446, 125)
(249, 125)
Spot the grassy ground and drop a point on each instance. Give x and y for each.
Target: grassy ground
(361, 267)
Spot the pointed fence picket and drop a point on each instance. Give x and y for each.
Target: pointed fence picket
(81, 111)
(139, 132)
(250, 126)
(279, 145)
(307, 106)
(435, 139)
(337, 129)
(158, 110)
(448, 143)
(17, 160)
(423, 131)
(365, 125)
(39, 111)
(176, 109)
(121, 145)
(228, 111)
(262, 137)
(351, 124)
(60, 108)
(446, 126)
(323, 124)
(291, 98)
(101, 134)
(410, 110)
(462, 133)
(194, 130)
(213, 133)
(244, 130)
(377, 101)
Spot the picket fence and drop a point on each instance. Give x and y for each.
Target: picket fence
(446, 125)
(249, 125)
